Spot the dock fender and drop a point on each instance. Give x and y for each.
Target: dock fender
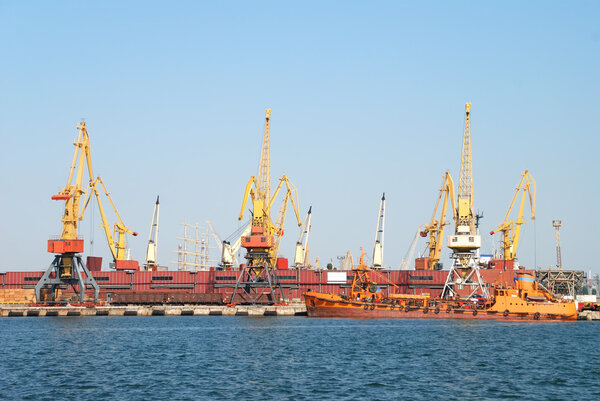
(506, 312)
(537, 315)
(366, 306)
(436, 310)
(372, 306)
(474, 312)
(392, 306)
(407, 308)
(425, 309)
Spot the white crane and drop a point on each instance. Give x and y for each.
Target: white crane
(228, 251)
(378, 248)
(152, 249)
(301, 255)
(404, 265)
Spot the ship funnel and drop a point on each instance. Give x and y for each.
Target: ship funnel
(525, 281)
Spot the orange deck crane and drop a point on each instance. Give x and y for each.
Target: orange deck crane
(67, 265)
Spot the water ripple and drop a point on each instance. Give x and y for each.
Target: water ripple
(247, 358)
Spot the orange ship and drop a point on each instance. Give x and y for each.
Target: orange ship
(524, 302)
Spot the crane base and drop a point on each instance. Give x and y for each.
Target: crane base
(68, 270)
(258, 285)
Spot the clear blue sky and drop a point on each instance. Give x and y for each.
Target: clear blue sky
(367, 97)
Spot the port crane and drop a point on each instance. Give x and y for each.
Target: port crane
(116, 238)
(301, 257)
(405, 262)
(511, 229)
(67, 267)
(258, 280)
(435, 228)
(378, 247)
(152, 248)
(466, 241)
(227, 249)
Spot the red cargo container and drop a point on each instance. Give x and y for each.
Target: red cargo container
(421, 263)
(127, 265)
(94, 263)
(282, 264)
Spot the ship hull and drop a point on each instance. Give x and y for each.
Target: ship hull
(320, 305)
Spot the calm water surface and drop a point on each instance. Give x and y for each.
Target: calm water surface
(296, 358)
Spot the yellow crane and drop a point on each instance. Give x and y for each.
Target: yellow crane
(511, 229)
(435, 228)
(116, 238)
(257, 277)
(465, 242)
(67, 265)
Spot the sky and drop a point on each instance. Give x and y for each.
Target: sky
(366, 98)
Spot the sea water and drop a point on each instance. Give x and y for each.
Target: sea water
(296, 358)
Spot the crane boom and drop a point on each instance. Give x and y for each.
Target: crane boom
(264, 169)
(510, 243)
(378, 247)
(435, 228)
(116, 239)
(152, 248)
(466, 204)
(301, 254)
(72, 192)
(404, 263)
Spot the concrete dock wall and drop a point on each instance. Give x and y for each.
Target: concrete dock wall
(170, 310)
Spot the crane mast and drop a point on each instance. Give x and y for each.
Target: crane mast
(511, 229)
(67, 265)
(378, 247)
(466, 241)
(466, 204)
(264, 169)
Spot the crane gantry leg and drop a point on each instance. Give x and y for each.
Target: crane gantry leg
(257, 285)
(68, 269)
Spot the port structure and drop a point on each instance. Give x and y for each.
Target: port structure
(511, 229)
(435, 228)
(258, 282)
(117, 237)
(301, 256)
(379, 236)
(557, 224)
(466, 241)
(67, 267)
(227, 249)
(152, 248)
